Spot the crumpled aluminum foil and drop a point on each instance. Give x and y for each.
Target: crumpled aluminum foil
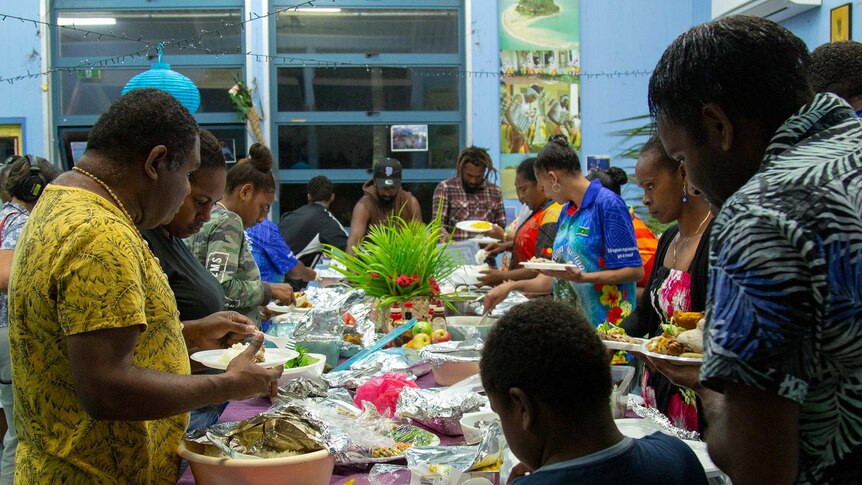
(353, 378)
(324, 321)
(284, 428)
(662, 421)
(365, 326)
(452, 351)
(514, 298)
(490, 454)
(457, 457)
(302, 388)
(439, 409)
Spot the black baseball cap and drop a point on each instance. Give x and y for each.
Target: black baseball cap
(387, 173)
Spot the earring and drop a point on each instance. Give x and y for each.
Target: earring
(684, 194)
(556, 187)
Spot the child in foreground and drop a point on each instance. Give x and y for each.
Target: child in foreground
(547, 375)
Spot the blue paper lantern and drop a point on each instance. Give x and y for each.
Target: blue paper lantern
(160, 76)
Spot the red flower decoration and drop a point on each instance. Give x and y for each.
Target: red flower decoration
(435, 288)
(403, 281)
(375, 275)
(615, 315)
(602, 263)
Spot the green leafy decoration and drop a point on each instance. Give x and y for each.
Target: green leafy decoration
(397, 261)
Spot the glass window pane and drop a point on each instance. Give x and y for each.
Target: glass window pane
(149, 25)
(90, 92)
(361, 89)
(356, 146)
(293, 196)
(371, 31)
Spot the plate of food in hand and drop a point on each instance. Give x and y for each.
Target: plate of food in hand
(681, 341)
(220, 358)
(301, 305)
(615, 338)
(474, 226)
(485, 240)
(547, 264)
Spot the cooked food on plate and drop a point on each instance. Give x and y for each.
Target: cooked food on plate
(687, 320)
(236, 349)
(680, 340)
(481, 226)
(608, 331)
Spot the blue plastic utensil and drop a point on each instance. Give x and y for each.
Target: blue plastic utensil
(394, 334)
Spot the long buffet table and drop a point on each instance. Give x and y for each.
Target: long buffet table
(239, 410)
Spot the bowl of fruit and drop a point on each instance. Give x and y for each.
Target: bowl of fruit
(423, 334)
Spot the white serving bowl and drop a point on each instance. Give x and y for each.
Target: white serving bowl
(472, 433)
(309, 371)
(309, 469)
(455, 325)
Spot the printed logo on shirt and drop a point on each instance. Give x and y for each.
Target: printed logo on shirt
(217, 265)
(583, 231)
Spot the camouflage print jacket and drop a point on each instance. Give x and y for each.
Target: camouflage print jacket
(223, 248)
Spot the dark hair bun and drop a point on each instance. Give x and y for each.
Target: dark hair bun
(260, 156)
(618, 176)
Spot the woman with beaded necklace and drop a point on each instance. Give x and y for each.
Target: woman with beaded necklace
(678, 278)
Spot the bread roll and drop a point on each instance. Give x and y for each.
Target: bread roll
(692, 339)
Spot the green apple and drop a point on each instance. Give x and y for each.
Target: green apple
(422, 327)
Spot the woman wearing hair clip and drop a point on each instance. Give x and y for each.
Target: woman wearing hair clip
(26, 178)
(594, 235)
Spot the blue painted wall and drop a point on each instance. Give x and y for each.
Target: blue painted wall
(623, 35)
(813, 26)
(21, 52)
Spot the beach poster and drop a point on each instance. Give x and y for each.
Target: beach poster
(539, 68)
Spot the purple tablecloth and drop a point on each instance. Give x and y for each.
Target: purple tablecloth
(239, 410)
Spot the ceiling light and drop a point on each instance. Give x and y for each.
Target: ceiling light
(82, 21)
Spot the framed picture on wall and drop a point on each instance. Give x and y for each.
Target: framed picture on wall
(840, 26)
(409, 138)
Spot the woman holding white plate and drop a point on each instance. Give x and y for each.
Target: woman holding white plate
(595, 241)
(678, 278)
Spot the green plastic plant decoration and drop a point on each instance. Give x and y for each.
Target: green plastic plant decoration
(397, 261)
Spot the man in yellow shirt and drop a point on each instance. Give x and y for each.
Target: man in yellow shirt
(99, 358)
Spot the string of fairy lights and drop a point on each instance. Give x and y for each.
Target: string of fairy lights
(196, 43)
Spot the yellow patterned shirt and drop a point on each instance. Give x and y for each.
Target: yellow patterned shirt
(81, 266)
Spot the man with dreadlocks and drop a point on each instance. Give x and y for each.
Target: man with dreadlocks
(469, 195)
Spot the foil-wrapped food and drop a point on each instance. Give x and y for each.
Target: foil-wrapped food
(285, 430)
(439, 409)
(452, 351)
(662, 421)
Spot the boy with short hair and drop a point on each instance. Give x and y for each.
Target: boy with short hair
(548, 376)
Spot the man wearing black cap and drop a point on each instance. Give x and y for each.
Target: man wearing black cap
(383, 198)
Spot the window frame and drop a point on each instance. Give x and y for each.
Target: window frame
(178, 62)
(299, 177)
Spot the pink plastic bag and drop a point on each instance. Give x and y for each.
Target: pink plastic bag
(383, 391)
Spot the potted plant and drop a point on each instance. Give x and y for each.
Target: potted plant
(398, 262)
